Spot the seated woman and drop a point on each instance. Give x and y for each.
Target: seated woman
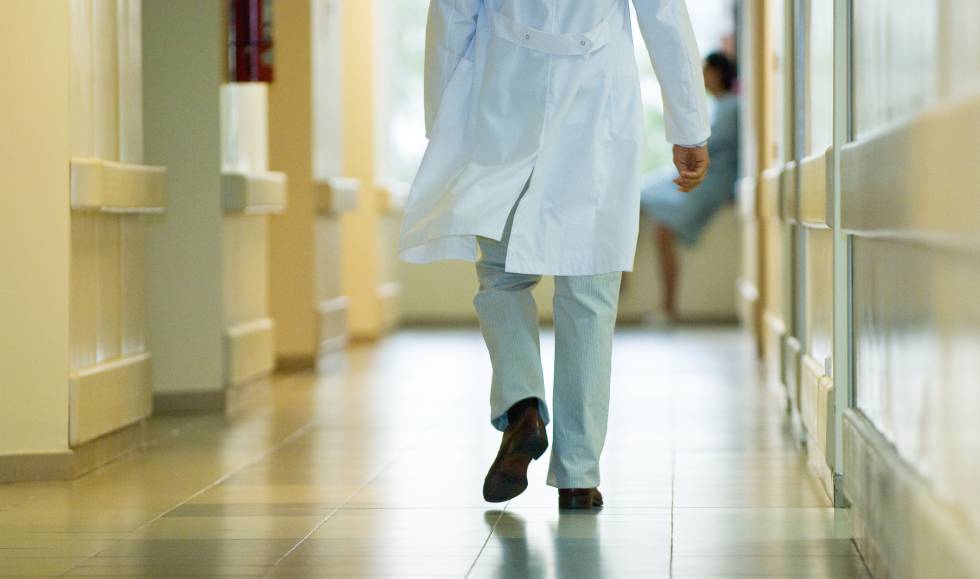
(680, 216)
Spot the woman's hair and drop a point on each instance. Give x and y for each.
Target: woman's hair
(725, 67)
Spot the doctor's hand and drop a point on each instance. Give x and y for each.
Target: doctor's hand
(692, 165)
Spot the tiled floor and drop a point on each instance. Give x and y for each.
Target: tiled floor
(376, 471)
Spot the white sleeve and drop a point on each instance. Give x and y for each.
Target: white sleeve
(666, 29)
(450, 29)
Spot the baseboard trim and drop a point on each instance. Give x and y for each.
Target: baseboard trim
(36, 466)
(249, 351)
(388, 295)
(231, 400)
(817, 414)
(332, 326)
(242, 397)
(747, 295)
(902, 529)
(70, 464)
(295, 363)
(191, 401)
(773, 332)
(792, 353)
(107, 397)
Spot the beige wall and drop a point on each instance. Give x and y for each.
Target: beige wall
(78, 107)
(443, 292)
(291, 245)
(34, 227)
(362, 235)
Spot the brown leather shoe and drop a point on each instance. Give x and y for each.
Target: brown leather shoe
(524, 440)
(579, 498)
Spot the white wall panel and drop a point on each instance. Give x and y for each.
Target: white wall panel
(957, 426)
(961, 52)
(334, 194)
(916, 338)
(82, 79)
(327, 89)
(245, 127)
(246, 282)
(819, 307)
(331, 303)
(819, 76)
(911, 203)
(132, 260)
(249, 351)
(778, 90)
(105, 81)
(109, 280)
(84, 289)
(896, 60)
(249, 191)
(110, 385)
(130, 82)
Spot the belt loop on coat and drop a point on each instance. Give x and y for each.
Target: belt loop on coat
(573, 44)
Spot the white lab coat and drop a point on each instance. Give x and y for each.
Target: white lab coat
(549, 88)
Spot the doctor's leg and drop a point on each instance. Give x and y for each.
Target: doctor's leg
(509, 321)
(585, 317)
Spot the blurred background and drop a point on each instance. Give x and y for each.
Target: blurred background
(203, 196)
(442, 293)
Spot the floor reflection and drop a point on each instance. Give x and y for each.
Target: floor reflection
(375, 470)
(570, 546)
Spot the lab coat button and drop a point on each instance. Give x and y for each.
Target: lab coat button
(527, 37)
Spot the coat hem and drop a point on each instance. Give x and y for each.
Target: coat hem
(463, 247)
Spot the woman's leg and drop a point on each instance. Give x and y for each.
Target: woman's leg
(669, 268)
(585, 317)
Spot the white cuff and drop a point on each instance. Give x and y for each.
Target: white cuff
(698, 146)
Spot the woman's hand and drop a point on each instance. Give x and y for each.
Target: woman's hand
(692, 164)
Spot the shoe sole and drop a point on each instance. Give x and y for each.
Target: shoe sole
(578, 503)
(509, 478)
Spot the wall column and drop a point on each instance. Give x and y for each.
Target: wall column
(75, 364)
(362, 250)
(208, 285)
(308, 301)
(34, 285)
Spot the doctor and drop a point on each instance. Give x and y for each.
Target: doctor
(534, 120)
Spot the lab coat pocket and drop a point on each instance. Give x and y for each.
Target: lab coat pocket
(455, 103)
(625, 109)
(508, 104)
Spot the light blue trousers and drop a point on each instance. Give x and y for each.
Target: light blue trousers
(585, 316)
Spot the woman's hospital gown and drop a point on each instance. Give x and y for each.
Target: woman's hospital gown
(686, 214)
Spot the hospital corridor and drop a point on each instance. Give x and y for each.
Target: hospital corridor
(375, 471)
(242, 334)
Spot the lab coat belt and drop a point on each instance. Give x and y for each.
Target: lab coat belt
(574, 44)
